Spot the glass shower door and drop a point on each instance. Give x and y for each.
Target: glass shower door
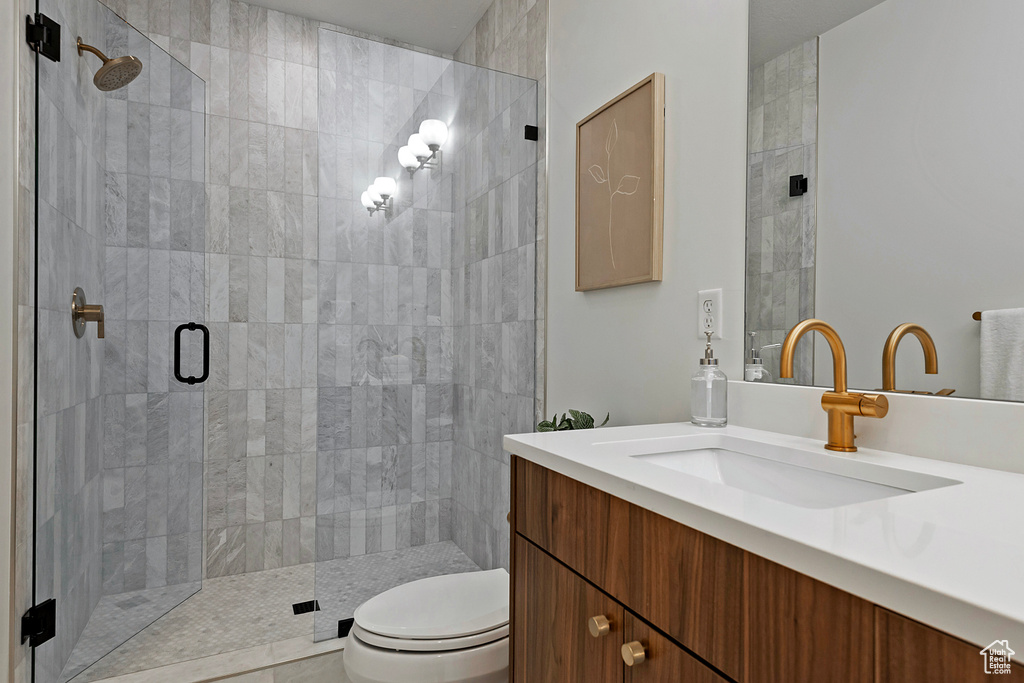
(121, 350)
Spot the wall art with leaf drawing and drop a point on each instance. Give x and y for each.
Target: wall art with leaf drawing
(620, 169)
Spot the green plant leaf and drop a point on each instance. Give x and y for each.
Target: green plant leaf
(581, 420)
(574, 419)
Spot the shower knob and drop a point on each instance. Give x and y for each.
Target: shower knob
(82, 313)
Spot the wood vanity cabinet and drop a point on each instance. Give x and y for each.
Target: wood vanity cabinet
(552, 642)
(556, 605)
(703, 611)
(800, 629)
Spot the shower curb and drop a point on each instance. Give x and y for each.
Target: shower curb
(227, 665)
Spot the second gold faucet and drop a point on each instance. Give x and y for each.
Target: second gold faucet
(931, 358)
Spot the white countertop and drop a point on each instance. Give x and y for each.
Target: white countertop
(951, 557)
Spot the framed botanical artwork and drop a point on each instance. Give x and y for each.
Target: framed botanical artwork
(620, 186)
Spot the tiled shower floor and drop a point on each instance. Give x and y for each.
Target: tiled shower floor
(239, 612)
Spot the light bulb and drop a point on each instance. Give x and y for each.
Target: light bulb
(407, 159)
(385, 186)
(418, 147)
(434, 133)
(374, 195)
(367, 201)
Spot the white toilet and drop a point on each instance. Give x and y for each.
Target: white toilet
(445, 629)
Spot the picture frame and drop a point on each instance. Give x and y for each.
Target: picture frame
(620, 187)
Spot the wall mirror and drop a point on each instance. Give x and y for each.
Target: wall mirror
(884, 184)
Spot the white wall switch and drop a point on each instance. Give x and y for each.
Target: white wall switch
(709, 313)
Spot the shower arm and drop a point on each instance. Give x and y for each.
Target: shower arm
(89, 48)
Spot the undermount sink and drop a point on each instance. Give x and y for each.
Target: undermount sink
(798, 477)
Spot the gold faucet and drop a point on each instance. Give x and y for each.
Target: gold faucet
(931, 359)
(841, 405)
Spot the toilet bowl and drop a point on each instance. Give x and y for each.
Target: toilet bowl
(445, 629)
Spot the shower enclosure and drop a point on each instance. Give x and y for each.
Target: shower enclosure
(361, 368)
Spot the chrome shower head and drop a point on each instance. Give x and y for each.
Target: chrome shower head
(115, 73)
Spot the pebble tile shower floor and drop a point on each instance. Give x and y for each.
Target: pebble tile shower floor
(238, 612)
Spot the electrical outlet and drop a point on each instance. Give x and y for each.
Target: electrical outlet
(709, 313)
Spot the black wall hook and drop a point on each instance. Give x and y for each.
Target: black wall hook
(797, 185)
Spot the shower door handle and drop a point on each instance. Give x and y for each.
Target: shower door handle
(177, 353)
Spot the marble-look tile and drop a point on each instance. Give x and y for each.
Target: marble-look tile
(780, 229)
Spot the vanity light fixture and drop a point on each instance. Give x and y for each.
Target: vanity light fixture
(424, 147)
(377, 196)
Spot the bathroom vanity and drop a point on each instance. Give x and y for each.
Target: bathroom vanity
(644, 554)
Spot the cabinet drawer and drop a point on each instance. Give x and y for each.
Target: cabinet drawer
(586, 529)
(907, 652)
(663, 660)
(690, 586)
(552, 643)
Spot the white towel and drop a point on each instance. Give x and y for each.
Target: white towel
(1002, 354)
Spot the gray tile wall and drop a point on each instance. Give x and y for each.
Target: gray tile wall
(781, 230)
(70, 406)
(500, 278)
(511, 37)
(384, 373)
(261, 271)
(153, 281)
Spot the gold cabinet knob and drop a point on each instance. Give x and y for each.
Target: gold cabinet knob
(599, 626)
(633, 653)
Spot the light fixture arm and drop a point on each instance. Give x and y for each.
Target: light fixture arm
(432, 163)
(384, 205)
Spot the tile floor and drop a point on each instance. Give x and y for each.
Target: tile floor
(238, 612)
(118, 617)
(229, 613)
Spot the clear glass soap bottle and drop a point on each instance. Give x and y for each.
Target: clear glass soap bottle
(709, 392)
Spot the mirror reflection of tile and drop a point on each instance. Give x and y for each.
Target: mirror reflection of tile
(780, 251)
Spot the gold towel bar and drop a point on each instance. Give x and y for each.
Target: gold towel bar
(977, 315)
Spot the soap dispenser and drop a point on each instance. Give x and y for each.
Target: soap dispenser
(709, 391)
(754, 369)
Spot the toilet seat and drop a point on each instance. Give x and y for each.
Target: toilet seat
(448, 612)
(429, 645)
(450, 628)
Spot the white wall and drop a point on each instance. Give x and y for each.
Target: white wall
(9, 44)
(920, 147)
(631, 350)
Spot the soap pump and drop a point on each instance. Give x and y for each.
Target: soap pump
(709, 391)
(754, 369)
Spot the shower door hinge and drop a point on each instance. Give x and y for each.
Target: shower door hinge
(43, 36)
(39, 624)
